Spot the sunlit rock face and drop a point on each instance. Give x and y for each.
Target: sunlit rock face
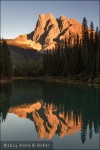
(23, 110)
(21, 38)
(48, 31)
(48, 120)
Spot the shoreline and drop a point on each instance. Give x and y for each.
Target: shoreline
(58, 80)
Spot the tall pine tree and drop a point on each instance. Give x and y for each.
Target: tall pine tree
(6, 66)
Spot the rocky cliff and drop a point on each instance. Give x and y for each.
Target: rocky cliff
(48, 31)
(48, 120)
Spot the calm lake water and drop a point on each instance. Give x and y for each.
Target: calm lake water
(67, 115)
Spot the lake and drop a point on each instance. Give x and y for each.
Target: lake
(67, 115)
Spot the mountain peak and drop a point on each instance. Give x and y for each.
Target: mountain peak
(49, 15)
(49, 30)
(63, 17)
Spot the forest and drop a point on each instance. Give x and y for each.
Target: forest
(5, 61)
(80, 59)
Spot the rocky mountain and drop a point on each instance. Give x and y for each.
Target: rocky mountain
(48, 121)
(48, 31)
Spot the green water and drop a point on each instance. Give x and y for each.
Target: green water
(67, 115)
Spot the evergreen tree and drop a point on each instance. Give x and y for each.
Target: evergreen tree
(97, 50)
(92, 53)
(44, 63)
(6, 66)
(85, 44)
(1, 60)
(54, 62)
(66, 57)
(58, 60)
(80, 59)
(62, 60)
(50, 63)
(92, 26)
(55, 59)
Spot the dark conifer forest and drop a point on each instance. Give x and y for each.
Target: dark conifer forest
(5, 62)
(82, 59)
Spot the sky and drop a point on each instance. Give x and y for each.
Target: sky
(20, 17)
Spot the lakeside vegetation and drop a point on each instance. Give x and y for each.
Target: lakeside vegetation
(5, 61)
(77, 61)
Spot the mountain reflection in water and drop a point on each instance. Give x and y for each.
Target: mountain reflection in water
(48, 121)
(55, 109)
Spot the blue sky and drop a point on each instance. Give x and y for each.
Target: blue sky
(19, 17)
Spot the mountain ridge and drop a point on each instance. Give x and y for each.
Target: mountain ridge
(48, 31)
